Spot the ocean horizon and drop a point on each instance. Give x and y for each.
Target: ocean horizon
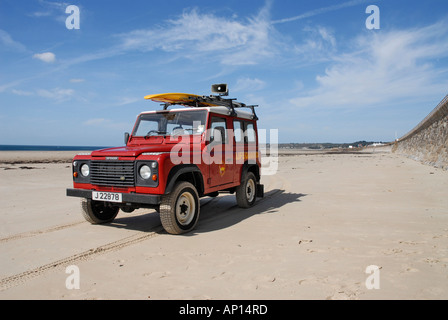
(14, 147)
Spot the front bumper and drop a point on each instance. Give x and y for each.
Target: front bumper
(127, 197)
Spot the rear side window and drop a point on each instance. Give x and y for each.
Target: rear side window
(250, 132)
(238, 131)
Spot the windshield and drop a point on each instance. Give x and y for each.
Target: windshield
(171, 123)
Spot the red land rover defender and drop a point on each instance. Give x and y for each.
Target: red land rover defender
(173, 158)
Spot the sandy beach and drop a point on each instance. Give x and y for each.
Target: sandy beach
(325, 218)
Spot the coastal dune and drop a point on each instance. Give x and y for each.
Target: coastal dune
(368, 225)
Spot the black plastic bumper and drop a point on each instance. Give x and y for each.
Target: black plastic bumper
(126, 197)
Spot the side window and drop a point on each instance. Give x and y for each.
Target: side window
(238, 131)
(250, 132)
(218, 130)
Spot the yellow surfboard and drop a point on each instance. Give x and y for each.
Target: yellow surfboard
(176, 98)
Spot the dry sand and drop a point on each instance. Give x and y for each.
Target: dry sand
(324, 220)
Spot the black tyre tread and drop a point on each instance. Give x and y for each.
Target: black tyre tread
(90, 216)
(241, 199)
(167, 213)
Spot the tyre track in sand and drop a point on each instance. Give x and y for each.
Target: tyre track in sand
(43, 231)
(34, 233)
(21, 278)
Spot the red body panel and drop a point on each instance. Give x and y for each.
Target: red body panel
(193, 149)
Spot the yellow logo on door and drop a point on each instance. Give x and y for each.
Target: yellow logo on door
(222, 170)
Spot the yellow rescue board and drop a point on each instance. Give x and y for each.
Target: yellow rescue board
(175, 98)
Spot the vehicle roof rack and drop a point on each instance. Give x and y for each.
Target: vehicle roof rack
(215, 100)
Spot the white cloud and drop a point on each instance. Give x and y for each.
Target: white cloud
(39, 14)
(49, 9)
(54, 5)
(327, 35)
(196, 35)
(319, 44)
(96, 122)
(127, 100)
(47, 57)
(249, 85)
(383, 68)
(8, 42)
(22, 92)
(56, 94)
(76, 80)
(319, 11)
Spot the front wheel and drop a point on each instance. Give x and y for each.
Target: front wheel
(246, 192)
(96, 212)
(179, 210)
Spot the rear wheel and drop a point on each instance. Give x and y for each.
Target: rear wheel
(97, 212)
(179, 210)
(246, 192)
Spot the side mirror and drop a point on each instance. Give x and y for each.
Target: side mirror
(126, 138)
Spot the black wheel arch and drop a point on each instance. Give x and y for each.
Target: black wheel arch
(250, 167)
(185, 172)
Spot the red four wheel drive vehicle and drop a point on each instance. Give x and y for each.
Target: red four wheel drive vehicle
(171, 159)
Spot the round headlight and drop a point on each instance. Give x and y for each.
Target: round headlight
(85, 170)
(145, 172)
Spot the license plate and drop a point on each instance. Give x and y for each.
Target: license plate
(106, 196)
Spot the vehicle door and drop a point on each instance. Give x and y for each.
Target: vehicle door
(220, 152)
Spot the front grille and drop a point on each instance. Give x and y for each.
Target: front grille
(112, 173)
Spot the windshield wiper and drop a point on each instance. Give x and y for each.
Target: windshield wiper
(155, 132)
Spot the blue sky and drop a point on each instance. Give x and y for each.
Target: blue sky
(317, 72)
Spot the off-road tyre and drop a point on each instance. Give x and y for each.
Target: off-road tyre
(96, 212)
(179, 210)
(246, 192)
